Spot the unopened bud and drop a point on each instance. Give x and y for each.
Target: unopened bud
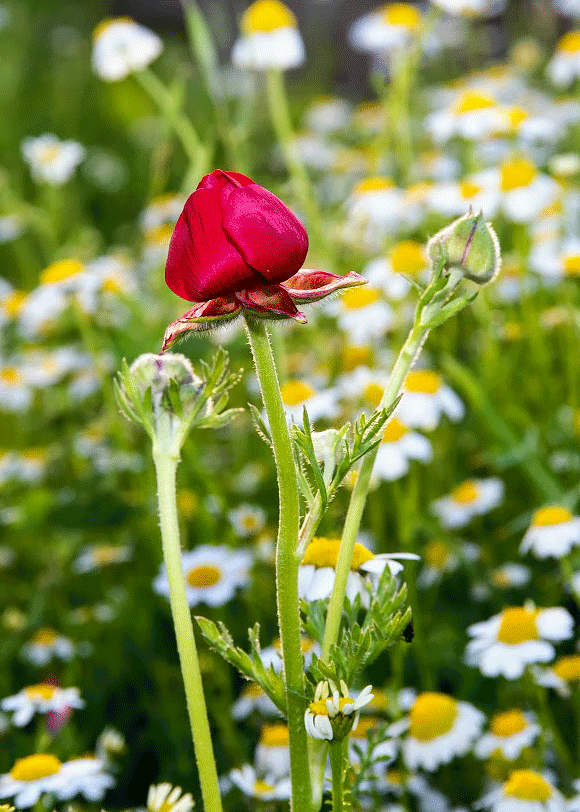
(469, 245)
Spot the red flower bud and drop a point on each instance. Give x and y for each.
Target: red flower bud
(232, 236)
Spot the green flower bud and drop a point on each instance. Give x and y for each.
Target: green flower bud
(469, 245)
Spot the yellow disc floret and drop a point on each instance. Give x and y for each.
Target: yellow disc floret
(44, 637)
(568, 668)
(550, 516)
(203, 577)
(407, 257)
(473, 102)
(394, 431)
(432, 715)
(266, 16)
(423, 382)
(465, 494)
(527, 785)
(571, 265)
(41, 691)
(59, 271)
(508, 724)
(436, 554)
(295, 392)
(518, 625)
(373, 394)
(570, 43)
(274, 736)
(323, 552)
(402, 15)
(32, 768)
(319, 707)
(357, 298)
(517, 175)
(370, 185)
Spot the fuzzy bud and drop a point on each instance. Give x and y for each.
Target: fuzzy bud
(469, 245)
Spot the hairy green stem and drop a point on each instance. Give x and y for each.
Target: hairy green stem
(165, 468)
(336, 765)
(287, 561)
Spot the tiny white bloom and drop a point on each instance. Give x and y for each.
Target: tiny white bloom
(553, 531)
(363, 314)
(264, 789)
(41, 698)
(252, 698)
(510, 731)
(399, 445)
(474, 497)
(426, 399)
(51, 160)
(298, 394)
(561, 675)
(270, 38)
(525, 791)
(272, 755)
(95, 556)
(168, 798)
(46, 645)
(247, 520)
(121, 46)
(329, 714)
(386, 29)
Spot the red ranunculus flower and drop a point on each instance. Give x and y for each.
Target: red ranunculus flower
(236, 247)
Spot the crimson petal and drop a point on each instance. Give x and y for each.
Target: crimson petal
(218, 179)
(310, 286)
(270, 301)
(202, 316)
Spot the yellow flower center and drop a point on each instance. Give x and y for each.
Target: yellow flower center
(105, 554)
(263, 788)
(572, 265)
(274, 736)
(353, 357)
(295, 392)
(550, 516)
(402, 15)
(469, 190)
(508, 723)
(12, 304)
(319, 708)
(32, 768)
(323, 552)
(44, 637)
(395, 777)
(518, 625)
(357, 298)
(465, 494)
(432, 716)
(472, 102)
(570, 43)
(526, 785)
(41, 691)
(436, 554)
(111, 285)
(363, 727)
(59, 271)
(49, 154)
(265, 16)
(105, 24)
(517, 175)
(500, 579)
(407, 257)
(10, 376)
(370, 185)
(422, 382)
(252, 691)
(203, 577)
(394, 431)
(373, 394)
(516, 116)
(568, 668)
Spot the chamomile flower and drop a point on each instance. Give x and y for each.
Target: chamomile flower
(272, 756)
(271, 656)
(555, 260)
(404, 259)
(564, 67)
(426, 399)
(252, 698)
(162, 210)
(51, 160)
(15, 393)
(317, 570)
(509, 732)
(510, 576)
(516, 637)
(247, 520)
(561, 675)
(46, 645)
(298, 394)
(42, 698)
(440, 557)
(327, 115)
(553, 531)
(334, 713)
(95, 556)
(398, 446)
(438, 729)
(525, 791)
(212, 574)
(167, 798)
(471, 8)
(473, 116)
(386, 29)
(270, 38)
(266, 788)
(475, 497)
(454, 199)
(525, 192)
(363, 315)
(121, 46)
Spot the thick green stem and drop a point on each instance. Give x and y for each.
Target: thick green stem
(165, 467)
(287, 561)
(336, 765)
(358, 499)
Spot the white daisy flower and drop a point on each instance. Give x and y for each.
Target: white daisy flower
(386, 29)
(252, 698)
(516, 637)
(475, 497)
(473, 115)
(11, 227)
(525, 192)
(298, 394)
(272, 756)
(270, 38)
(510, 731)
(560, 675)
(404, 259)
(51, 160)
(247, 520)
(46, 645)
(317, 570)
(569, 7)
(212, 574)
(555, 260)
(264, 789)
(426, 399)
(168, 798)
(110, 744)
(376, 208)
(471, 8)
(363, 315)
(553, 531)
(86, 776)
(11, 302)
(454, 199)
(525, 791)
(162, 210)
(43, 369)
(314, 151)
(438, 729)
(398, 446)
(15, 392)
(95, 556)
(42, 698)
(439, 557)
(327, 115)
(329, 715)
(564, 67)
(122, 46)
(510, 575)
(363, 384)
(271, 656)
